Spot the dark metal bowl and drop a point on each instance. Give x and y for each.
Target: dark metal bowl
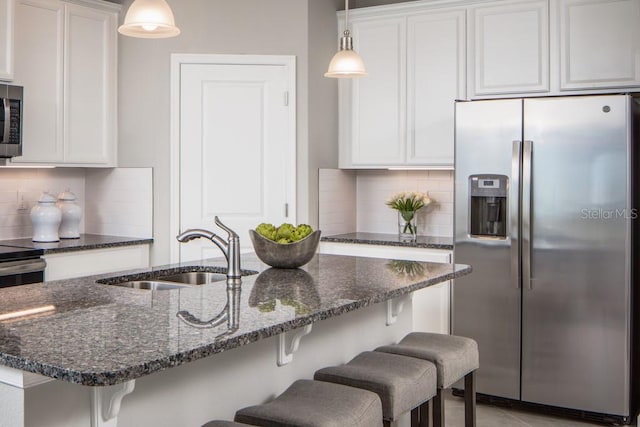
(285, 255)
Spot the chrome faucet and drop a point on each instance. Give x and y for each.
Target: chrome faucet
(230, 248)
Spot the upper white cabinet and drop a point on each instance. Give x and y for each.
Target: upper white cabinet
(435, 78)
(39, 35)
(509, 48)
(422, 55)
(90, 85)
(66, 60)
(6, 39)
(401, 114)
(378, 101)
(599, 43)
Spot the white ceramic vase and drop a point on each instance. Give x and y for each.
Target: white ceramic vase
(45, 218)
(71, 215)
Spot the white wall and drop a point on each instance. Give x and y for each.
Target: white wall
(323, 101)
(278, 27)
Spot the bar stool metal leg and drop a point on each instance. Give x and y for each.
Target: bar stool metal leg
(470, 399)
(438, 409)
(415, 417)
(426, 414)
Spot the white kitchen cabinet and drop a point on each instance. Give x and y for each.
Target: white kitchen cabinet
(508, 48)
(599, 44)
(90, 85)
(436, 74)
(431, 306)
(66, 61)
(39, 47)
(401, 114)
(7, 8)
(66, 265)
(378, 101)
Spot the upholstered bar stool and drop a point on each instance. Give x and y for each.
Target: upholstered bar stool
(225, 424)
(308, 403)
(455, 358)
(402, 383)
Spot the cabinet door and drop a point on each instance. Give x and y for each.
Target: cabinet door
(39, 68)
(509, 48)
(378, 100)
(95, 261)
(6, 40)
(435, 79)
(599, 43)
(89, 89)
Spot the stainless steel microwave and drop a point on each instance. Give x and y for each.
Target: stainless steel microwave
(10, 121)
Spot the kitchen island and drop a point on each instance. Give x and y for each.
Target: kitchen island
(107, 336)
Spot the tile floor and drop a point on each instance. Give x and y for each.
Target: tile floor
(494, 416)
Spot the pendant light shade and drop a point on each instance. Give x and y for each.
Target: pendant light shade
(149, 19)
(346, 63)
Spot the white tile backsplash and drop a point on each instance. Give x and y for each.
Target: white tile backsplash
(372, 188)
(337, 201)
(120, 202)
(31, 182)
(131, 187)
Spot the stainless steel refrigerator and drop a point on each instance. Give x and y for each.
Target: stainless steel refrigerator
(544, 212)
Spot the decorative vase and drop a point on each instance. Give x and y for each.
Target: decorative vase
(407, 228)
(71, 215)
(46, 217)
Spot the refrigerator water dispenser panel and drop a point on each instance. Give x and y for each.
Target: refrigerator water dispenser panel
(488, 206)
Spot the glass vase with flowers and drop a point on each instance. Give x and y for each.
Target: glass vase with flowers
(407, 203)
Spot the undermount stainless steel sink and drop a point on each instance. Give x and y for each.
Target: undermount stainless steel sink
(152, 285)
(195, 277)
(163, 280)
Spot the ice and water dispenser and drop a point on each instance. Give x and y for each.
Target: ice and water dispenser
(488, 206)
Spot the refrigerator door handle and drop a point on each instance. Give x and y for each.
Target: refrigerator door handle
(514, 212)
(527, 151)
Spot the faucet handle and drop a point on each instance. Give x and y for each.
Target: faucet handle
(230, 232)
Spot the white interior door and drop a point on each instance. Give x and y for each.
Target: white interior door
(237, 151)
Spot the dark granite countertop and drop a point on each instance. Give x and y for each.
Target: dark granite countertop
(430, 242)
(97, 334)
(85, 242)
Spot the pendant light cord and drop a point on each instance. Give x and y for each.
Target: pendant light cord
(346, 18)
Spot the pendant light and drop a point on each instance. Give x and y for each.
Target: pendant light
(149, 19)
(346, 63)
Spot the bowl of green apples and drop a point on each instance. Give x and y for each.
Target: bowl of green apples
(286, 246)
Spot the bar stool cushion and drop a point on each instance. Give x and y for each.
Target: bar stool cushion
(308, 403)
(454, 356)
(217, 423)
(401, 382)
